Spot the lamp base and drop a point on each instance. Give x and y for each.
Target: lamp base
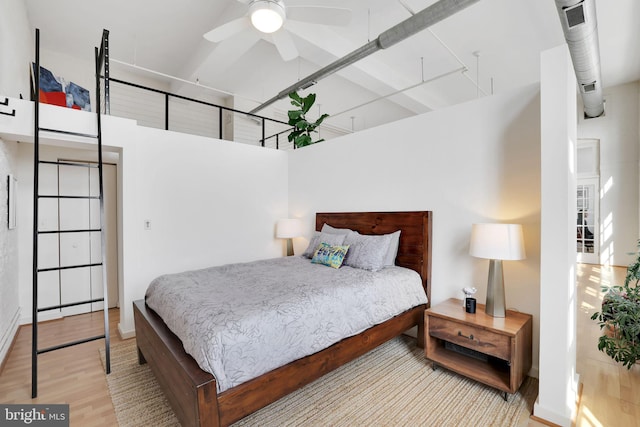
(289, 247)
(495, 290)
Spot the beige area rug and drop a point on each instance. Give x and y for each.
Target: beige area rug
(392, 385)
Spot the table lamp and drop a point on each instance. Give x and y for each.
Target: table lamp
(287, 229)
(496, 242)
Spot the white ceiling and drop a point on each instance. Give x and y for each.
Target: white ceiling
(166, 36)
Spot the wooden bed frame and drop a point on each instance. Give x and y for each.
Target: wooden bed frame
(192, 391)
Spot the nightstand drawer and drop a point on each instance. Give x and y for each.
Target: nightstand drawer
(469, 336)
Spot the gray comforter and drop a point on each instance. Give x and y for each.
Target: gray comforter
(239, 321)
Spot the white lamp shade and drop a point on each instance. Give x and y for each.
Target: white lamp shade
(288, 228)
(497, 241)
(267, 15)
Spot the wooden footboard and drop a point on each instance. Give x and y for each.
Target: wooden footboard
(192, 391)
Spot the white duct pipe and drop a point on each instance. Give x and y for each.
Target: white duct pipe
(580, 27)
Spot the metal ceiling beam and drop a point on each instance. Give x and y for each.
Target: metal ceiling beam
(405, 29)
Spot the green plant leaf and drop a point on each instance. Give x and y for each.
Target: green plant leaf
(295, 97)
(321, 119)
(308, 101)
(294, 134)
(303, 141)
(300, 135)
(294, 116)
(302, 124)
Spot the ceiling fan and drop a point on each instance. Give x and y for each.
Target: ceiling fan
(266, 19)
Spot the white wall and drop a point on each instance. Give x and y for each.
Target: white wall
(473, 162)
(16, 49)
(558, 382)
(619, 139)
(9, 300)
(15, 44)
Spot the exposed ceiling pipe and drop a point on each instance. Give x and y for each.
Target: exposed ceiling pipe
(423, 82)
(407, 28)
(580, 26)
(444, 45)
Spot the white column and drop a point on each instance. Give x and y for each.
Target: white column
(558, 378)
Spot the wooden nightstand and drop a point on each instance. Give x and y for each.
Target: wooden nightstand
(492, 350)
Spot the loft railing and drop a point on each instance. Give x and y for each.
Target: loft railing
(276, 136)
(267, 125)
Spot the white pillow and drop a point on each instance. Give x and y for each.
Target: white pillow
(392, 253)
(367, 252)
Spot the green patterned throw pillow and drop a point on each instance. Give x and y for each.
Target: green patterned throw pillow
(329, 255)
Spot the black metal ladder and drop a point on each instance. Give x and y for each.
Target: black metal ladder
(101, 58)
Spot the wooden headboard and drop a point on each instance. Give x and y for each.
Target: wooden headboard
(414, 251)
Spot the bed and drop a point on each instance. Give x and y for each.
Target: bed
(192, 391)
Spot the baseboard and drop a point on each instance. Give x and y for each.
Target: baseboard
(9, 338)
(543, 421)
(574, 417)
(548, 417)
(125, 335)
(42, 317)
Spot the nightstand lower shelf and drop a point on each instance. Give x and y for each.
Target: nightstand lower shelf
(495, 351)
(492, 374)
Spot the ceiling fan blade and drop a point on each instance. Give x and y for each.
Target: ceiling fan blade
(231, 50)
(320, 14)
(227, 30)
(285, 45)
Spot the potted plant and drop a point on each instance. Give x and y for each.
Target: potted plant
(303, 128)
(620, 317)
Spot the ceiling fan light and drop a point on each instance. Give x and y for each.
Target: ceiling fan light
(267, 15)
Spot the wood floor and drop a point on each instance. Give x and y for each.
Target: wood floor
(73, 375)
(611, 392)
(610, 396)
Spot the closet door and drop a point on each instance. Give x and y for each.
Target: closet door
(48, 249)
(75, 248)
(109, 176)
(78, 248)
